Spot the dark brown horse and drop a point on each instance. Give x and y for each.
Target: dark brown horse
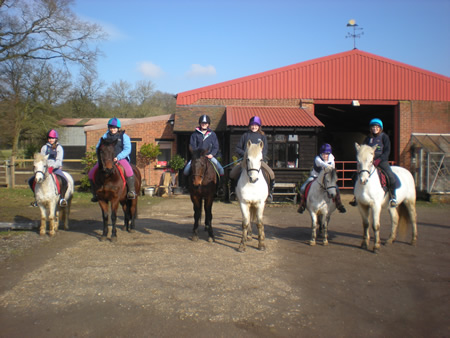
(110, 187)
(202, 187)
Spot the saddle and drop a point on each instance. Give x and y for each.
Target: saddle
(384, 180)
(308, 186)
(59, 181)
(121, 171)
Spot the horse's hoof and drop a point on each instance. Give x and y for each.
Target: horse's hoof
(376, 249)
(42, 233)
(389, 241)
(241, 248)
(114, 239)
(325, 243)
(261, 247)
(131, 231)
(195, 238)
(364, 245)
(51, 233)
(312, 243)
(211, 239)
(103, 238)
(413, 242)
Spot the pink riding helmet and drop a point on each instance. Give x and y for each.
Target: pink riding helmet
(53, 134)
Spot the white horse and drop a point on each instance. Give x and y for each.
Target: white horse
(320, 203)
(252, 192)
(47, 196)
(371, 198)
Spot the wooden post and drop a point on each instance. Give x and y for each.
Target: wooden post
(13, 173)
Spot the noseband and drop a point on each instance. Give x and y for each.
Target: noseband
(249, 170)
(324, 185)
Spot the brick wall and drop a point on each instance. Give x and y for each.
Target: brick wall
(148, 130)
(420, 117)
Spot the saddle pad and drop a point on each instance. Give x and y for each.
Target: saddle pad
(307, 189)
(121, 171)
(384, 180)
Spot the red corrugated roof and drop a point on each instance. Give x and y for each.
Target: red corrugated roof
(353, 75)
(272, 116)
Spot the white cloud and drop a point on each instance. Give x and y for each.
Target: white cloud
(149, 69)
(200, 71)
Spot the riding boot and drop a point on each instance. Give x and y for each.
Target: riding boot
(62, 201)
(339, 204)
(301, 207)
(220, 190)
(271, 188)
(93, 191)
(131, 190)
(353, 202)
(393, 201)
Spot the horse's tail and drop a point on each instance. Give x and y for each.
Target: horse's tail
(404, 220)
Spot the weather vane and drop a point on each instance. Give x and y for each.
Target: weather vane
(352, 23)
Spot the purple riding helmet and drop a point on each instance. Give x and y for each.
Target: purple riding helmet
(325, 149)
(255, 120)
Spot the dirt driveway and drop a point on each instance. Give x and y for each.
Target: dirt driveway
(156, 282)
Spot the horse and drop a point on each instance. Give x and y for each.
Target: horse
(252, 192)
(47, 196)
(202, 188)
(320, 203)
(111, 188)
(371, 199)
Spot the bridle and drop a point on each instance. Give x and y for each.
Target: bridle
(202, 174)
(249, 170)
(324, 184)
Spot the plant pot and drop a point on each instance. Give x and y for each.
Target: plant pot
(149, 191)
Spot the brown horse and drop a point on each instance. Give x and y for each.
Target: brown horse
(202, 187)
(111, 187)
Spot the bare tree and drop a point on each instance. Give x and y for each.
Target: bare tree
(46, 30)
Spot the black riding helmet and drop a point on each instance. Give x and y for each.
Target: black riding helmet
(204, 119)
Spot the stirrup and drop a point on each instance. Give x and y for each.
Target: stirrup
(131, 195)
(34, 204)
(62, 203)
(353, 202)
(393, 202)
(94, 199)
(301, 209)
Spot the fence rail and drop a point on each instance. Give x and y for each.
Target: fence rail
(14, 173)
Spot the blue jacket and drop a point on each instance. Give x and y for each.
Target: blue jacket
(204, 141)
(123, 149)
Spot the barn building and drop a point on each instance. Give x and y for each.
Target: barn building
(329, 99)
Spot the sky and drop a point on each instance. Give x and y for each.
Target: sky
(182, 45)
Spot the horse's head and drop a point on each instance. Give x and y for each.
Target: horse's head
(40, 167)
(199, 163)
(364, 158)
(106, 154)
(329, 181)
(252, 160)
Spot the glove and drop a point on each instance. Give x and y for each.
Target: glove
(377, 162)
(50, 170)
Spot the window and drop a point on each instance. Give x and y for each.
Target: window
(283, 150)
(166, 153)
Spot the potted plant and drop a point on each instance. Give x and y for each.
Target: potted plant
(176, 164)
(148, 153)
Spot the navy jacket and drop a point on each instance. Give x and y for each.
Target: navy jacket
(205, 141)
(255, 138)
(383, 146)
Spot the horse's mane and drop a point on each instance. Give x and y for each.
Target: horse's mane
(38, 157)
(198, 153)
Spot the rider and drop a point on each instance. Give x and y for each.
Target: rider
(381, 159)
(205, 138)
(122, 156)
(55, 153)
(325, 159)
(255, 135)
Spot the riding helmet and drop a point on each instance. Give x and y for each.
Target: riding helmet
(204, 119)
(376, 122)
(325, 149)
(114, 123)
(52, 134)
(255, 120)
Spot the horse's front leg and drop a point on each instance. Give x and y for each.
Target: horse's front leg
(326, 221)
(208, 218)
(104, 207)
(114, 207)
(314, 224)
(42, 228)
(245, 225)
(53, 218)
(376, 211)
(132, 211)
(260, 225)
(197, 203)
(364, 210)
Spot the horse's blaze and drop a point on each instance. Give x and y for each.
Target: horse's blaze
(197, 181)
